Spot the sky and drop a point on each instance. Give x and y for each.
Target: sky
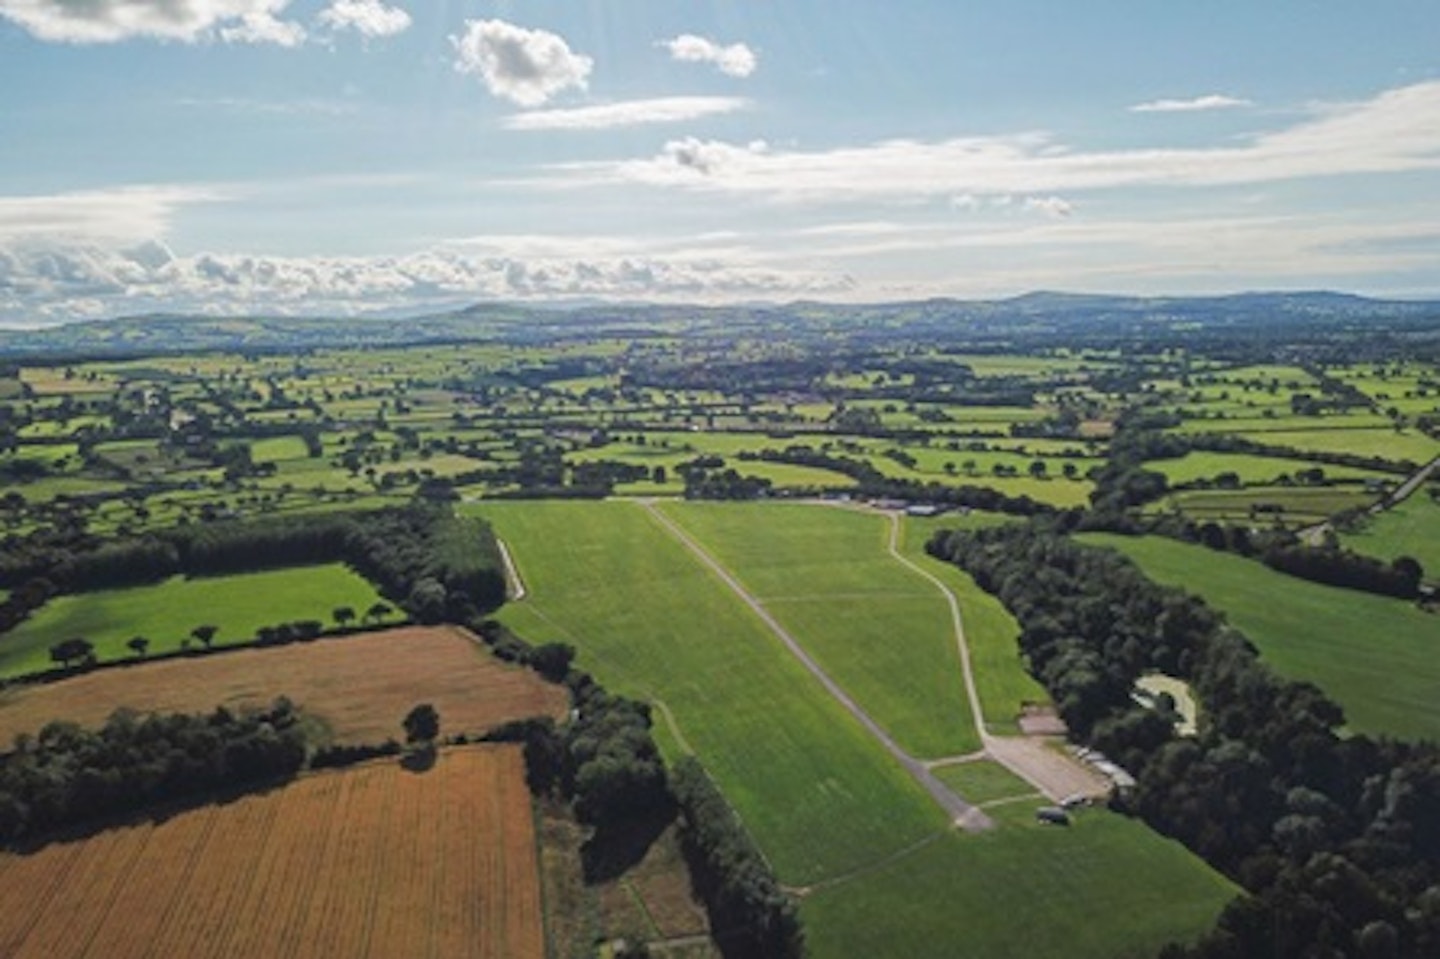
(351, 157)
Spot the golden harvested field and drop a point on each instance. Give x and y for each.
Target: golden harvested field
(373, 861)
(360, 686)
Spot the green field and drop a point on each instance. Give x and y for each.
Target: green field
(879, 629)
(1410, 529)
(1287, 505)
(1252, 470)
(828, 808)
(1369, 439)
(819, 794)
(166, 613)
(990, 631)
(984, 781)
(1102, 888)
(1373, 655)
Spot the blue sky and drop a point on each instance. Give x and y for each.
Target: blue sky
(349, 156)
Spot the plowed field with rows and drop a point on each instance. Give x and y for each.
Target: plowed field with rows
(360, 686)
(375, 861)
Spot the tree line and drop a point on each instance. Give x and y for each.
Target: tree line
(606, 764)
(1280, 549)
(66, 775)
(421, 557)
(871, 482)
(1334, 837)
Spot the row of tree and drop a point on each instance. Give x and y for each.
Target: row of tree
(422, 557)
(67, 775)
(605, 762)
(1335, 838)
(871, 482)
(1281, 550)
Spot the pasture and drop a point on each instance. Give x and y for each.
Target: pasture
(818, 793)
(1103, 887)
(165, 613)
(1373, 655)
(1410, 529)
(874, 626)
(1347, 434)
(358, 687)
(373, 861)
(1252, 470)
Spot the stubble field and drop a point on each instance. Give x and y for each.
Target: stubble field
(358, 686)
(374, 861)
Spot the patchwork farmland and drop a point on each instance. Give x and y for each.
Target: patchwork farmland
(374, 861)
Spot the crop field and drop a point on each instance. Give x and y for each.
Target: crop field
(1410, 529)
(357, 686)
(881, 631)
(373, 861)
(54, 381)
(1104, 887)
(165, 613)
(1373, 655)
(1287, 505)
(819, 794)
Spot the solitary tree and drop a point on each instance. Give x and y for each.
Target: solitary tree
(377, 612)
(71, 651)
(139, 645)
(205, 634)
(344, 616)
(422, 724)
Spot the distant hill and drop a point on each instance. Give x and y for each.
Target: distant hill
(514, 323)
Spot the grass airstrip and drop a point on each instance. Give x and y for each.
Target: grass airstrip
(874, 626)
(1386, 684)
(880, 871)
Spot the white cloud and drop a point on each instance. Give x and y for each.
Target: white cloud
(125, 214)
(1212, 101)
(625, 113)
(735, 60)
(371, 18)
(43, 281)
(1049, 205)
(109, 21)
(1390, 133)
(51, 283)
(264, 28)
(527, 67)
